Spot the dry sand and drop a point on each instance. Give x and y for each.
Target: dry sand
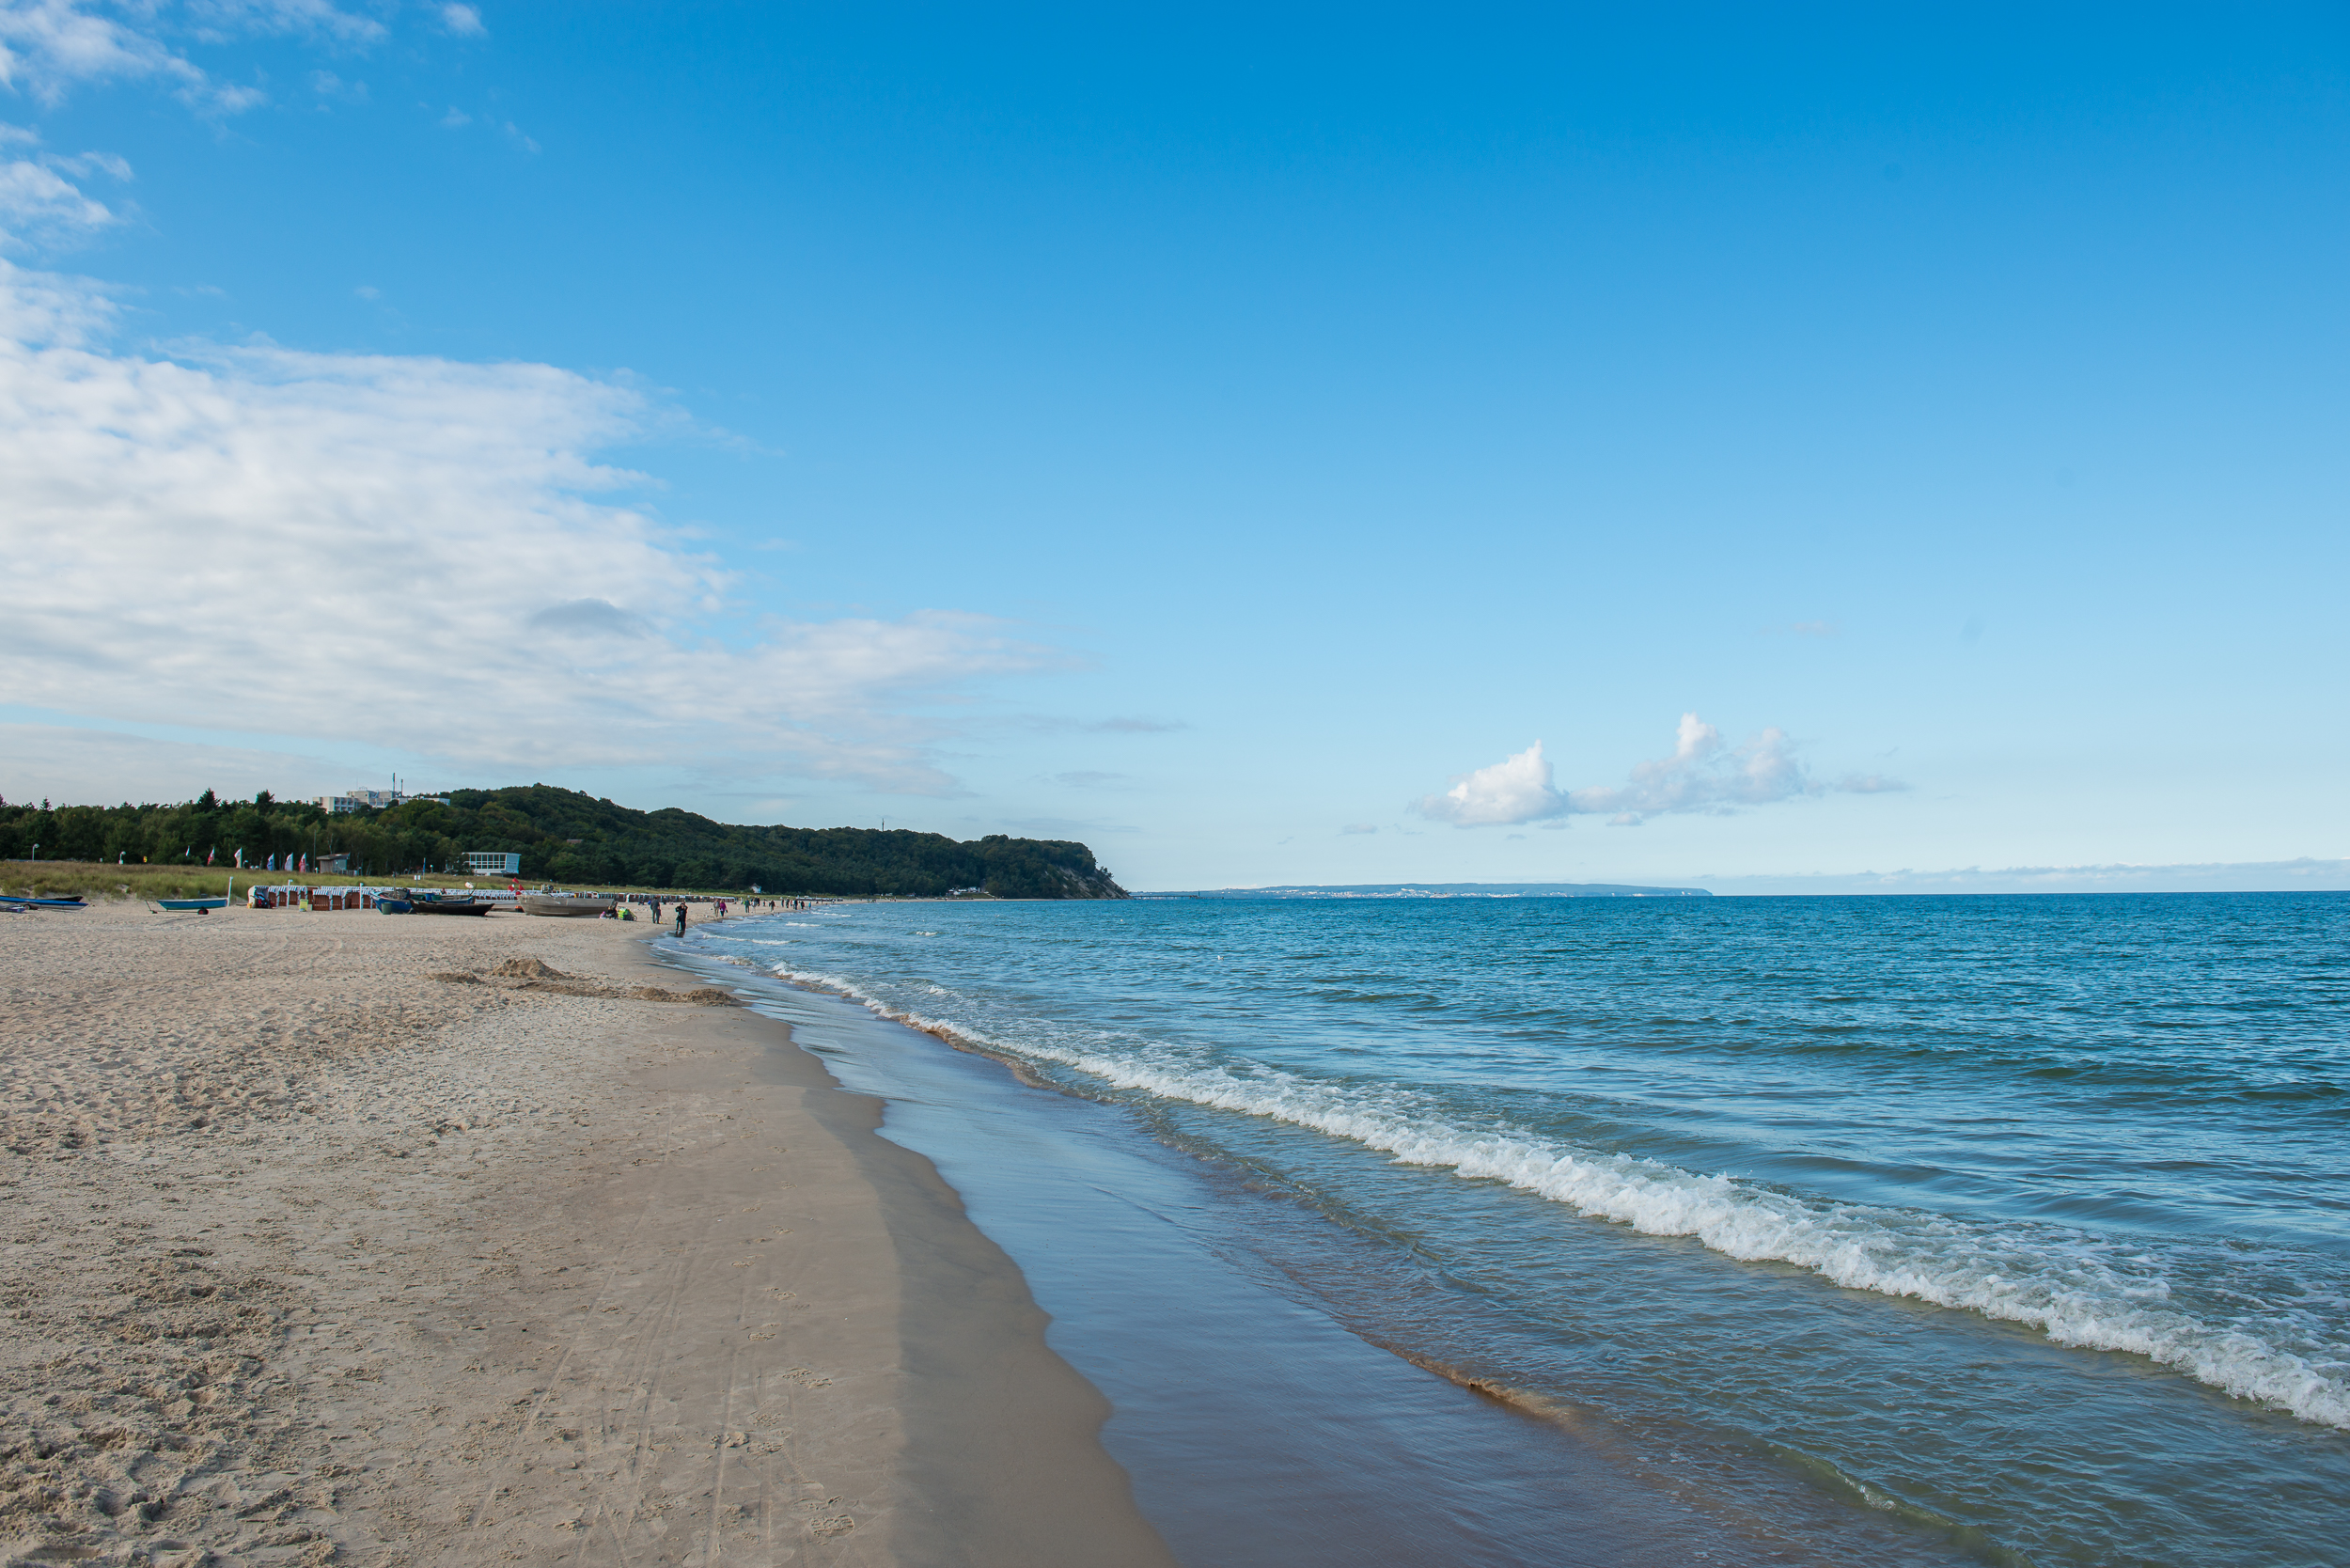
(308, 1256)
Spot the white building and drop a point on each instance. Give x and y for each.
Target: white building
(492, 863)
(352, 800)
(373, 800)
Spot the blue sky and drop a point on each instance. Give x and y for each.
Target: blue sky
(1232, 440)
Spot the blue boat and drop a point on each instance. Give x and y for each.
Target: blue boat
(180, 906)
(14, 901)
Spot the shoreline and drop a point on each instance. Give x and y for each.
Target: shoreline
(314, 1258)
(1265, 1411)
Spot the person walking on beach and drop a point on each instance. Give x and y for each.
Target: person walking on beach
(681, 920)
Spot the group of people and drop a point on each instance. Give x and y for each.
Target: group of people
(622, 912)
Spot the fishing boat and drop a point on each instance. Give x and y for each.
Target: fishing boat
(575, 906)
(432, 904)
(180, 906)
(14, 901)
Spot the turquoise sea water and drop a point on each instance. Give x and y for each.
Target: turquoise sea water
(2017, 1222)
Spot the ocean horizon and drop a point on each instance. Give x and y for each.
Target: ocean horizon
(2306, 874)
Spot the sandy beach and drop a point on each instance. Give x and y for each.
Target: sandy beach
(345, 1237)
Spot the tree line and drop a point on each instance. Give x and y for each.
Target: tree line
(563, 837)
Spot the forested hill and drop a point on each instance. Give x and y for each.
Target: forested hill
(565, 836)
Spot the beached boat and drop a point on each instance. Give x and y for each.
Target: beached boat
(426, 903)
(15, 901)
(575, 906)
(180, 906)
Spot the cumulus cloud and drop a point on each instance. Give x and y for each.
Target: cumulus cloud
(410, 552)
(463, 20)
(1515, 789)
(1703, 774)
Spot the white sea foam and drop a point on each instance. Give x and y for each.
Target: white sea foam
(2065, 1284)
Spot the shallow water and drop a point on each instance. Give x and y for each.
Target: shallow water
(2016, 1224)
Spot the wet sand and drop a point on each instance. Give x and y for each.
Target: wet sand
(1268, 1414)
(309, 1255)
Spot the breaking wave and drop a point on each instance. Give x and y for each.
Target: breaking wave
(2072, 1286)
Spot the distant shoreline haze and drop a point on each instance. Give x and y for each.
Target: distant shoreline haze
(1443, 891)
(2306, 875)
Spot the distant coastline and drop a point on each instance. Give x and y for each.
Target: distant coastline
(1443, 891)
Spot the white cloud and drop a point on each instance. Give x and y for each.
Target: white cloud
(83, 164)
(1359, 828)
(327, 85)
(463, 20)
(409, 552)
(1703, 774)
(48, 46)
(1517, 790)
(39, 206)
(315, 19)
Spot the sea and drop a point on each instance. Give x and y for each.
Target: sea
(1533, 1229)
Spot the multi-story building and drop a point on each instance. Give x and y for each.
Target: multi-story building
(373, 800)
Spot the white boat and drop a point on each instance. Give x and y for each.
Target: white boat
(574, 905)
